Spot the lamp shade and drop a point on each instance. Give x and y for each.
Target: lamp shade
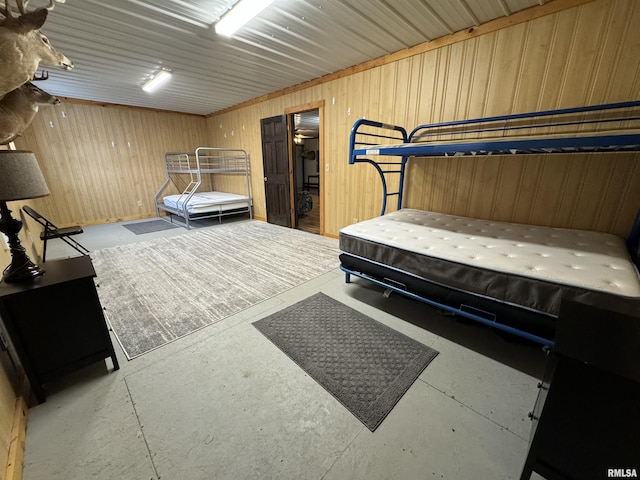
(20, 176)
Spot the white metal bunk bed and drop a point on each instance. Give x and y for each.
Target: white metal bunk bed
(511, 277)
(187, 172)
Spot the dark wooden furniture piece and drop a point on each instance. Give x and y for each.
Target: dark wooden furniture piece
(315, 184)
(56, 323)
(586, 421)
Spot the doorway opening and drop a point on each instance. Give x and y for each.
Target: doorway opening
(291, 159)
(305, 153)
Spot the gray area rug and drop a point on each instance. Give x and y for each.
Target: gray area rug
(140, 228)
(157, 291)
(364, 364)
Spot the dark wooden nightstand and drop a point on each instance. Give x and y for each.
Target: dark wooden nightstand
(56, 322)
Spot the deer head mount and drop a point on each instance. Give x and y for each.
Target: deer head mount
(18, 108)
(23, 47)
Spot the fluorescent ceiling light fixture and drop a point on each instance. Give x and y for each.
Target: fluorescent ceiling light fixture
(241, 13)
(158, 79)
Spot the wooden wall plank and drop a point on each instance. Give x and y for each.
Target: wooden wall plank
(18, 438)
(7, 406)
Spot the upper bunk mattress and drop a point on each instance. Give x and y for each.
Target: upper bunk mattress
(529, 266)
(203, 202)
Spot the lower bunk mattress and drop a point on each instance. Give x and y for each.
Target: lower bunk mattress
(510, 274)
(207, 202)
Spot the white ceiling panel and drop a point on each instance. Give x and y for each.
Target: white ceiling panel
(117, 44)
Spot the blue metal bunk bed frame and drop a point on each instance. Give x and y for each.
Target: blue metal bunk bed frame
(371, 142)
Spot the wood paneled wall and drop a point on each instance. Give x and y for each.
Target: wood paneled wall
(7, 407)
(99, 161)
(579, 56)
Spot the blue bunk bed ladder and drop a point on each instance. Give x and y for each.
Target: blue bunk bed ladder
(396, 134)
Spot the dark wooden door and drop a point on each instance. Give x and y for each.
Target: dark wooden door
(275, 160)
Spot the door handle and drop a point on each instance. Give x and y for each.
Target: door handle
(265, 179)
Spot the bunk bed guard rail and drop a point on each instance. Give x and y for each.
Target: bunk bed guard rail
(596, 128)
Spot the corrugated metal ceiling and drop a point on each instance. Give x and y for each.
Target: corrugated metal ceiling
(117, 44)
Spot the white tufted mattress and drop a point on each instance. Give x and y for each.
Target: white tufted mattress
(203, 202)
(500, 260)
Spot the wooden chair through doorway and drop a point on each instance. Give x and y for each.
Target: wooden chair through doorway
(50, 231)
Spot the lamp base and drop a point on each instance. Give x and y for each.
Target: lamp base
(25, 273)
(22, 269)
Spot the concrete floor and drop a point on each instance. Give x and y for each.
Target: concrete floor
(225, 403)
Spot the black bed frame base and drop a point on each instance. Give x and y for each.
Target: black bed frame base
(526, 324)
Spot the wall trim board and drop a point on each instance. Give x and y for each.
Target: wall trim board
(532, 13)
(124, 107)
(304, 107)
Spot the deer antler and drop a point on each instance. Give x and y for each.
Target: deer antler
(43, 76)
(22, 5)
(6, 10)
(52, 3)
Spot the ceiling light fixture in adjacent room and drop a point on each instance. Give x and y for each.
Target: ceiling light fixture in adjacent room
(155, 81)
(240, 14)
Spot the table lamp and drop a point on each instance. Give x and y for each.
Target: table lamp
(20, 179)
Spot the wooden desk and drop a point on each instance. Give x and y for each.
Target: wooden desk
(56, 323)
